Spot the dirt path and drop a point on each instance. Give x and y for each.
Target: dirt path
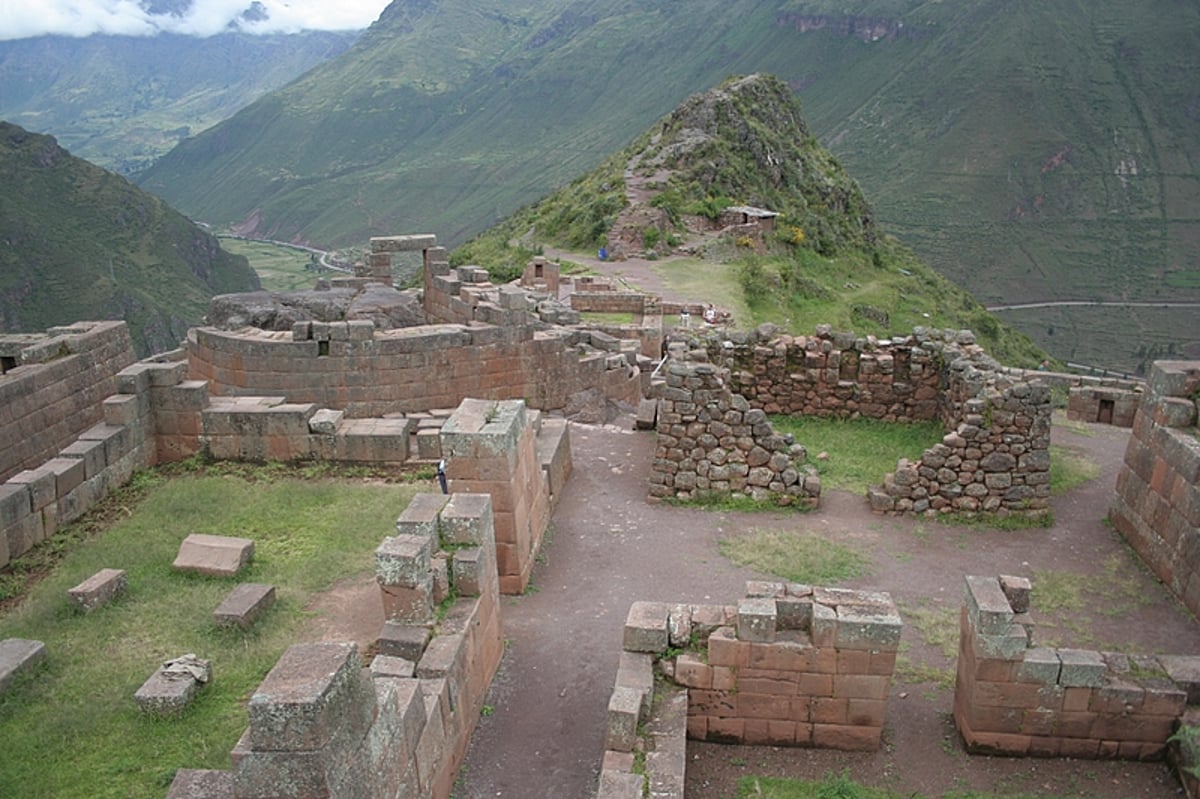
(544, 736)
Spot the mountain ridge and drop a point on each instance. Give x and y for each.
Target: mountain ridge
(78, 242)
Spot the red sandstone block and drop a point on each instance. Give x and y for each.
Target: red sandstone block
(1132, 727)
(827, 710)
(726, 730)
(512, 584)
(1044, 746)
(781, 733)
(824, 661)
(718, 704)
(1038, 721)
(697, 726)
(860, 686)
(1079, 747)
(801, 708)
(866, 712)
(781, 655)
(725, 650)
(723, 678)
(766, 685)
(1075, 724)
(882, 663)
(996, 743)
(814, 685)
(1006, 694)
(992, 719)
(1109, 750)
(762, 706)
(756, 732)
(691, 672)
(1077, 699)
(996, 670)
(855, 739)
(853, 661)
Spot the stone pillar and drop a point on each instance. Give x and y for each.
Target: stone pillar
(490, 448)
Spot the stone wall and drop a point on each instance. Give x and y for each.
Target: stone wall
(996, 455)
(51, 387)
(789, 665)
(711, 442)
(492, 448)
(1157, 502)
(1013, 698)
(36, 502)
(352, 367)
(322, 725)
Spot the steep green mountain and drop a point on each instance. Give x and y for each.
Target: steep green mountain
(122, 101)
(746, 143)
(78, 242)
(1031, 151)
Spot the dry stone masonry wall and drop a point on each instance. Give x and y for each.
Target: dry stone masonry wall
(995, 456)
(1014, 698)
(711, 442)
(1157, 502)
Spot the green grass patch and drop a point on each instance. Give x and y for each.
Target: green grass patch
(860, 451)
(840, 786)
(796, 557)
(1056, 591)
(79, 708)
(1070, 469)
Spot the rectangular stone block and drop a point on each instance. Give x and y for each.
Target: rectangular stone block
(193, 783)
(214, 555)
(756, 620)
(988, 606)
(467, 519)
(1081, 668)
(624, 708)
(99, 589)
(405, 560)
(635, 670)
(1040, 665)
(312, 693)
(646, 627)
(402, 640)
(244, 605)
(18, 655)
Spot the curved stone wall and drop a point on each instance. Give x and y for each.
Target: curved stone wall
(351, 367)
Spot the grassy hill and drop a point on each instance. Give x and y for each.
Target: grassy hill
(122, 101)
(746, 143)
(1028, 150)
(78, 242)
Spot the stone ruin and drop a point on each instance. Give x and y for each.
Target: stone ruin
(79, 416)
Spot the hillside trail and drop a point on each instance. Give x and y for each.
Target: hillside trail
(634, 273)
(543, 737)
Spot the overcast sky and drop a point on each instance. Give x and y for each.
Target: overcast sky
(20, 19)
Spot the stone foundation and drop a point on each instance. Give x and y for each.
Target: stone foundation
(789, 665)
(1013, 698)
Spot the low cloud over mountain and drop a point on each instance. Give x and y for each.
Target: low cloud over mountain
(188, 17)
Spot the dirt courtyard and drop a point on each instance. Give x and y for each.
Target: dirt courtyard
(542, 734)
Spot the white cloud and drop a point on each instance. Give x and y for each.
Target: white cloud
(20, 19)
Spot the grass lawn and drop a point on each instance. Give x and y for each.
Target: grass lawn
(72, 729)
